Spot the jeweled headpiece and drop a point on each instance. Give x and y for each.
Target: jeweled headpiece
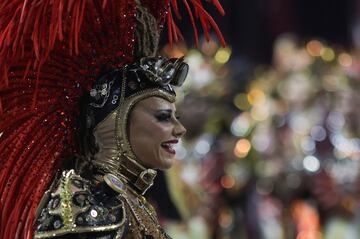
(147, 73)
(110, 102)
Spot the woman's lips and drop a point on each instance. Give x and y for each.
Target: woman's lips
(169, 150)
(168, 146)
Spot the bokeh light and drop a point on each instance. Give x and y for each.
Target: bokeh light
(260, 112)
(241, 125)
(309, 235)
(227, 181)
(345, 60)
(291, 130)
(327, 54)
(209, 48)
(223, 55)
(202, 147)
(314, 48)
(225, 219)
(261, 142)
(308, 145)
(335, 121)
(241, 101)
(242, 148)
(318, 133)
(181, 151)
(311, 163)
(256, 97)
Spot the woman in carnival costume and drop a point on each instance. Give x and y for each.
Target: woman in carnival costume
(51, 53)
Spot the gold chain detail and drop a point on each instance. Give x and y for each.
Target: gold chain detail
(66, 200)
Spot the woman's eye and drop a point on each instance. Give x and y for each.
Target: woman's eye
(163, 117)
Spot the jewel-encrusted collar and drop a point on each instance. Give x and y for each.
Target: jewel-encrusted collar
(138, 177)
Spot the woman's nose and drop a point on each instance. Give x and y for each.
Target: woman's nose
(179, 130)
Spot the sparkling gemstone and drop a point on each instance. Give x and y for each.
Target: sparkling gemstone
(77, 183)
(55, 203)
(103, 92)
(57, 224)
(50, 203)
(93, 213)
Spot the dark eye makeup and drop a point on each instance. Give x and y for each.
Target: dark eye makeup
(163, 115)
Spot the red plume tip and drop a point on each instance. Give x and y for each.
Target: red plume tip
(206, 21)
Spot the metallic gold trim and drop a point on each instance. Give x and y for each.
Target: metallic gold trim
(119, 233)
(145, 179)
(66, 195)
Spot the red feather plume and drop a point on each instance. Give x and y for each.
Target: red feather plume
(50, 53)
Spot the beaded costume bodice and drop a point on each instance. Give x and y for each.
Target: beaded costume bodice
(78, 208)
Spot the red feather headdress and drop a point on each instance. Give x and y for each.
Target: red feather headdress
(50, 53)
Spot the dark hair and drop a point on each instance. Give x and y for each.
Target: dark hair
(85, 139)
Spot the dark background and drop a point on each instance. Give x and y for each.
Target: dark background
(251, 26)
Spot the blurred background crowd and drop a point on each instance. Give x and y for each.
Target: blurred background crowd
(273, 143)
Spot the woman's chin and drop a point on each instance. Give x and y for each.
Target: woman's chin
(166, 163)
(163, 161)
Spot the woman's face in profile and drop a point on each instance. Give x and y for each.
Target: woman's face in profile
(154, 131)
